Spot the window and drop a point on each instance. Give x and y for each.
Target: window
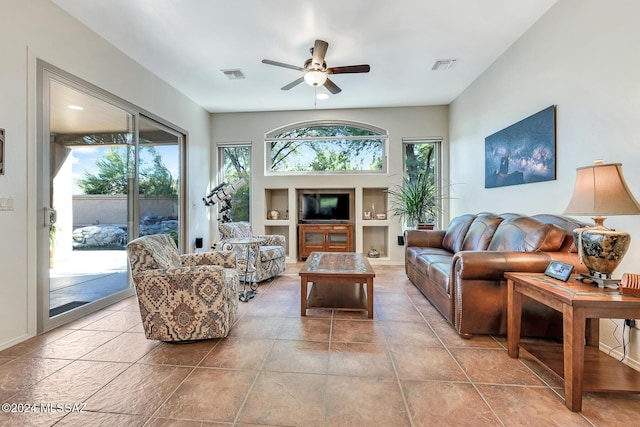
(422, 156)
(320, 147)
(234, 165)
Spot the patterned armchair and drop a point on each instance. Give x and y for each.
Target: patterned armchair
(271, 255)
(183, 297)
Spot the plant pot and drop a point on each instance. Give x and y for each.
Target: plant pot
(424, 227)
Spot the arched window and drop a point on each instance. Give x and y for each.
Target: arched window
(327, 147)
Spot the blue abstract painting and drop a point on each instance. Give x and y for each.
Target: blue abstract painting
(522, 153)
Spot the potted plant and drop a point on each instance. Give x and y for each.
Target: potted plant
(416, 201)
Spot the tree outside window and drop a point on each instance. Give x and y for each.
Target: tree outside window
(235, 164)
(333, 147)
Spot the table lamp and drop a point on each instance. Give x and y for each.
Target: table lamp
(601, 190)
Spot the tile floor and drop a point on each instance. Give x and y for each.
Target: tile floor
(406, 367)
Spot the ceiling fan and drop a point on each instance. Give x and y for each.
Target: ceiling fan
(315, 69)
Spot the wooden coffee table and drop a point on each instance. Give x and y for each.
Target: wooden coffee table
(338, 282)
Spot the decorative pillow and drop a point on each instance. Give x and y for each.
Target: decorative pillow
(458, 227)
(526, 234)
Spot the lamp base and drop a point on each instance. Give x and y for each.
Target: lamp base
(602, 280)
(601, 249)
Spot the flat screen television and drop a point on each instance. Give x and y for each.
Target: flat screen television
(328, 207)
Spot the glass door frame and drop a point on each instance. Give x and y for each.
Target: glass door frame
(45, 73)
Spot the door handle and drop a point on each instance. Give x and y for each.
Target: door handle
(50, 216)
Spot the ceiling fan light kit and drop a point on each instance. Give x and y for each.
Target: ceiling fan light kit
(315, 69)
(315, 77)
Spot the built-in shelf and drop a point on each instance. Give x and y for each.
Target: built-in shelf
(277, 200)
(366, 233)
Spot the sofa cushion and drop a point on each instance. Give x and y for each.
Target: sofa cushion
(413, 252)
(458, 227)
(525, 234)
(480, 232)
(440, 273)
(267, 253)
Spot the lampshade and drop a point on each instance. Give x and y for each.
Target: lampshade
(315, 77)
(601, 190)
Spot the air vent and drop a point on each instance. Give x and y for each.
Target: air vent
(234, 74)
(443, 64)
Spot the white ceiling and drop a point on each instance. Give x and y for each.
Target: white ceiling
(188, 42)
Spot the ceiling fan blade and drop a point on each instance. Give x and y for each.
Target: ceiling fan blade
(364, 68)
(319, 51)
(332, 87)
(293, 84)
(281, 64)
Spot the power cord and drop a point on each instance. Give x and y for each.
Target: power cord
(625, 342)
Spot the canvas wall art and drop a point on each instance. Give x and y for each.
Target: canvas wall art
(522, 153)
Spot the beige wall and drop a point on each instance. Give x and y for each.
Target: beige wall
(583, 57)
(37, 29)
(401, 122)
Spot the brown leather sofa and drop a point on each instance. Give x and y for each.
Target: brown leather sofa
(461, 270)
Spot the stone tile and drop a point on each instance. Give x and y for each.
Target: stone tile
(35, 344)
(298, 356)
(356, 401)
(41, 419)
(447, 403)
(360, 359)
(493, 366)
(24, 372)
(257, 327)
(278, 368)
(74, 383)
(128, 304)
(530, 405)
(305, 329)
(118, 321)
(357, 331)
(180, 353)
(140, 390)
(126, 347)
(451, 338)
(426, 363)
(412, 333)
(88, 319)
(238, 353)
(74, 345)
(209, 395)
(611, 409)
(280, 398)
(97, 419)
(167, 422)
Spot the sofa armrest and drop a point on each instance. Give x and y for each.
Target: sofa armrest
(272, 239)
(226, 259)
(424, 238)
(491, 265)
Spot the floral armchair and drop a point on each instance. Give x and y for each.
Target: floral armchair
(183, 297)
(270, 259)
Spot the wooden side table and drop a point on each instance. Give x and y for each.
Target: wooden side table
(578, 360)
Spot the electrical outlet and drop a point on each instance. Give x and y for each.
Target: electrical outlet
(630, 323)
(198, 242)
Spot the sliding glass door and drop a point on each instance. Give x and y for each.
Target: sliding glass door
(109, 174)
(159, 180)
